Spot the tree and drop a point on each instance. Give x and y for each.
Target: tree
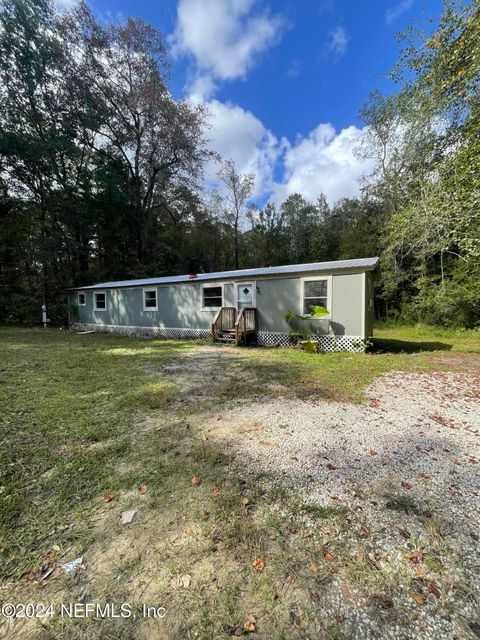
(239, 189)
(158, 141)
(425, 139)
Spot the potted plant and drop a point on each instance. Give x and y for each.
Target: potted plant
(301, 330)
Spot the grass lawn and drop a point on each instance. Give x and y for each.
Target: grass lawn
(88, 419)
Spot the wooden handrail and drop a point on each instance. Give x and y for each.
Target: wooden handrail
(240, 326)
(224, 320)
(215, 324)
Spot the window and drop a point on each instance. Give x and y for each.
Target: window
(100, 301)
(81, 299)
(316, 293)
(150, 300)
(213, 297)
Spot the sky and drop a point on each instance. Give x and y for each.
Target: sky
(283, 80)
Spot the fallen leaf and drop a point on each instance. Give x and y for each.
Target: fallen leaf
(364, 531)
(446, 422)
(128, 516)
(250, 623)
(259, 564)
(196, 480)
(473, 461)
(331, 466)
(108, 497)
(346, 591)
(431, 588)
(185, 581)
(419, 598)
(244, 501)
(406, 485)
(416, 557)
(383, 601)
(314, 567)
(215, 491)
(372, 452)
(57, 572)
(340, 618)
(457, 462)
(143, 489)
(232, 630)
(329, 556)
(424, 476)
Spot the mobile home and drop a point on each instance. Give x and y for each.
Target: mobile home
(246, 306)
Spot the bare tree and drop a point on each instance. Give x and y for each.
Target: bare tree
(239, 189)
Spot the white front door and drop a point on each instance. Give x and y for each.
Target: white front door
(245, 295)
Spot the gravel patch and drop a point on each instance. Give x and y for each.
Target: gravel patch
(405, 464)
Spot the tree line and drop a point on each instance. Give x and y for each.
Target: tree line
(101, 172)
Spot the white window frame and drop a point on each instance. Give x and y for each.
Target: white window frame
(144, 291)
(209, 285)
(95, 308)
(328, 279)
(82, 293)
(254, 291)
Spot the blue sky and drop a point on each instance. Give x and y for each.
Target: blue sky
(283, 80)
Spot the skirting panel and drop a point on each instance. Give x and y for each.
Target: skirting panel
(264, 338)
(330, 343)
(143, 332)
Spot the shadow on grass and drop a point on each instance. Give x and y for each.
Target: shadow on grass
(386, 345)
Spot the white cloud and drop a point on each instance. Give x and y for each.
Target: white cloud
(323, 162)
(238, 135)
(338, 41)
(223, 36)
(396, 11)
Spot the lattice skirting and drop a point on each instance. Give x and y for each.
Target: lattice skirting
(355, 344)
(143, 332)
(264, 338)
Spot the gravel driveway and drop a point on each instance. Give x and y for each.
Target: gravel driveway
(405, 466)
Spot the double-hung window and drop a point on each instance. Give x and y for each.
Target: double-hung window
(150, 302)
(316, 293)
(100, 301)
(81, 299)
(212, 297)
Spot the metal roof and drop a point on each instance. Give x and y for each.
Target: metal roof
(360, 264)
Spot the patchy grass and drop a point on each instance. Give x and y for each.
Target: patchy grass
(88, 415)
(345, 376)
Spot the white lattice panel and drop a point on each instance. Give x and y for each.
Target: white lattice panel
(326, 343)
(144, 332)
(264, 338)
